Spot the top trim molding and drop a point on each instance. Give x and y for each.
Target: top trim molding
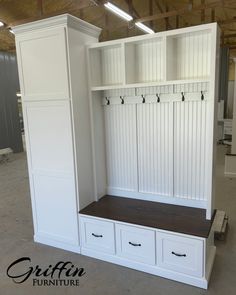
(60, 20)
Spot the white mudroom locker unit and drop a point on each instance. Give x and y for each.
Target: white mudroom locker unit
(120, 142)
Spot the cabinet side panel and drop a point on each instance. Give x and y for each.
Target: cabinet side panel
(81, 115)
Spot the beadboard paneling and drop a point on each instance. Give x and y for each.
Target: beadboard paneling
(190, 150)
(121, 146)
(111, 58)
(155, 144)
(145, 61)
(149, 61)
(193, 55)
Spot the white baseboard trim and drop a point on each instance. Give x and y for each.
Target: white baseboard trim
(155, 270)
(50, 242)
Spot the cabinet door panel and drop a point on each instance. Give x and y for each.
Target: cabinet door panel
(51, 168)
(50, 137)
(43, 65)
(56, 208)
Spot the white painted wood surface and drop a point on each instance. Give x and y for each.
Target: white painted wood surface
(170, 56)
(155, 148)
(135, 243)
(155, 253)
(51, 60)
(175, 139)
(121, 146)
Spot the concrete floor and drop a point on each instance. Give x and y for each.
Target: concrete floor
(101, 277)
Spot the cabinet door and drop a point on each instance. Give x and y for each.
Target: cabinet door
(51, 168)
(43, 68)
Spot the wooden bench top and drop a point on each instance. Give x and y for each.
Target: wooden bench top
(181, 219)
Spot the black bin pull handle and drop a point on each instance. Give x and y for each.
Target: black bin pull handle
(97, 236)
(135, 245)
(179, 255)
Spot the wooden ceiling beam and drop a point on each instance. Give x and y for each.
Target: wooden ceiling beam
(151, 12)
(185, 10)
(132, 9)
(76, 7)
(230, 35)
(233, 44)
(203, 16)
(162, 11)
(227, 21)
(40, 7)
(213, 16)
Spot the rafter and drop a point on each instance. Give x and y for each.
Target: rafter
(75, 7)
(203, 16)
(162, 11)
(185, 10)
(230, 35)
(40, 7)
(227, 21)
(132, 9)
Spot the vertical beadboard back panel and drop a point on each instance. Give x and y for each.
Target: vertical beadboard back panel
(155, 146)
(144, 61)
(150, 61)
(111, 66)
(190, 150)
(106, 66)
(121, 146)
(192, 53)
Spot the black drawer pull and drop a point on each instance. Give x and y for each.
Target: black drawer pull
(97, 236)
(136, 245)
(179, 255)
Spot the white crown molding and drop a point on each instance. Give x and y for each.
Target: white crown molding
(59, 20)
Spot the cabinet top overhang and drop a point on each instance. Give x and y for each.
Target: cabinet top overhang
(59, 21)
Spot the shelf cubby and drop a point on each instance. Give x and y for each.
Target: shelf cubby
(144, 61)
(106, 65)
(188, 56)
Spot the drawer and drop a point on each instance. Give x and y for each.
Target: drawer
(136, 244)
(97, 234)
(180, 254)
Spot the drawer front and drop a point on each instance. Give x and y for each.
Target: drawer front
(98, 235)
(180, 254)
(135, 243)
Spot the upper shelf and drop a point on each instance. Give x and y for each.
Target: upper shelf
(171, 57)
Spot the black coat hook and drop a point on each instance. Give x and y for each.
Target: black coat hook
(122, 100)
(202, 95)
(143, 99)
(158, 97)
(108, 101)
(183, 98)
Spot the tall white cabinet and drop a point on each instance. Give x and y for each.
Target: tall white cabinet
(51, 57)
